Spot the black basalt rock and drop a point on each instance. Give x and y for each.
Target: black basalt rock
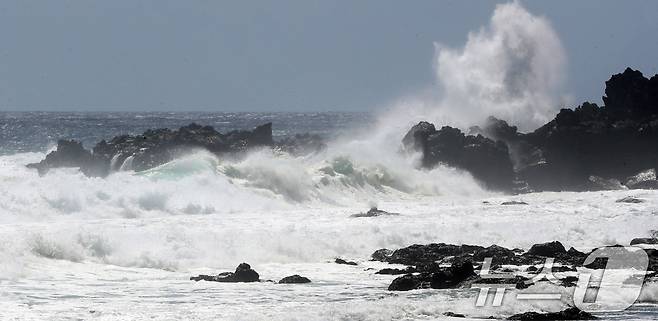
(152, 148)
(568, 314)
(243, 273)
(294, 279)
(487, 160)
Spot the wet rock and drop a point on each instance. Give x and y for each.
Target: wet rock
(382, 255)
(568, 314)
(452, 277)
(645, 240)
(294, 279)
(373, 212)
(389, 271)
(487, 160)
(454, 315)
(152, 148)
(341, 261)
(550, 249)
(70, 153)
(514, 203)
(590, 147)
(629, 199)
(243, 273)
(405, 283)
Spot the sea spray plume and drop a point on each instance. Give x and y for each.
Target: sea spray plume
(511, 69)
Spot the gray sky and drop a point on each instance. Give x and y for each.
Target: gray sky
(301, 55)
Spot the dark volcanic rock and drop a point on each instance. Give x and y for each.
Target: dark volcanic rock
(294, 279)
(451, 277)
(381, 255)
(405, 283)
(550, 249)
(645, 240)
(587, 148)
(373, 212)
(568, 314)
(514, 203)
(389, 271)
(454, 315)
(70, 153)
(152, 148)
(243, 273)
(629, 199)
(341, 261)
(487, 160)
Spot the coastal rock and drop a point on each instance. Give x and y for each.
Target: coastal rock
(341, 261)
(243, 273)
(294, 279)
(514, 203)
(487, 160)
(451, 277)
(550, 249)
(568, 314)
(151, 149)
(373, 212)
(588, 148)
(389, 271)
(645, 240)
(629, 199)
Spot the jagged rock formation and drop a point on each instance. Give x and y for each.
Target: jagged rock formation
(487, 160)
(425, 264)
(588, 148)
(154, 147)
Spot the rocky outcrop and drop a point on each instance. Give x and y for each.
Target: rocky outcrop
(344, 262)
(437, 278)
(243, 273)
(487, 160)
(151, 149)
(587, 148)
(294, 279)
(568, 314)
(374, 212)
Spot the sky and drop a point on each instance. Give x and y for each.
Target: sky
(286, 55)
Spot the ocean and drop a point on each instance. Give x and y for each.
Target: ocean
(123, 247)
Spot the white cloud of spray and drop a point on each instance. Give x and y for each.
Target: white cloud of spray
(513, 69)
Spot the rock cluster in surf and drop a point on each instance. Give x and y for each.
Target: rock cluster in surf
(588, 148)
(441, 266)
(158, 146)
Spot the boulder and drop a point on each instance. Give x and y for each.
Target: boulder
(550, 249)
(243, 273)
(452, 277)
(294, 279)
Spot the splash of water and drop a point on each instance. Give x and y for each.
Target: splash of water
(512, 69)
